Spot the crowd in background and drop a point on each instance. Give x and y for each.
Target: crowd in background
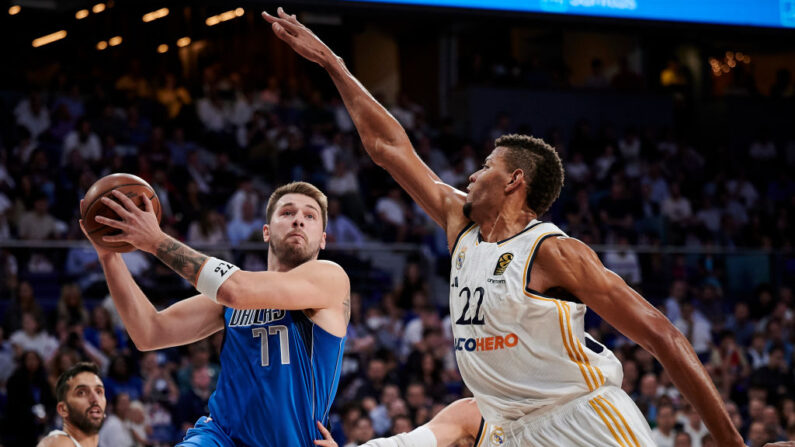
(214, 151)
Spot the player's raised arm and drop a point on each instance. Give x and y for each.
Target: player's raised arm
(312, 284)
(184, 322)
(383, 137)
(576, 268)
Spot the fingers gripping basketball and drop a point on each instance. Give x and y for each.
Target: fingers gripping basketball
(131, 186)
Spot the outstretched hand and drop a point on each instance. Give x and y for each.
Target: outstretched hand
(299, 37)
(327, 440)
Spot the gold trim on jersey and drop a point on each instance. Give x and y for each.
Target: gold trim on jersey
(624, 421)
(607, 424)
(469, 227)
(575, 352)
(483, 434)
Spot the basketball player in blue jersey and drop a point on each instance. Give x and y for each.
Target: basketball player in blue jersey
(285, 327)
(537, 377)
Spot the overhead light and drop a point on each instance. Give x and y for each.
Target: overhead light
(49, 38)
(154, 15)
(101, 45)
(183, 42)
(82, 14)
(14, 10)
(162, 48)
(115, 40)
(99, 7)
(224, 16)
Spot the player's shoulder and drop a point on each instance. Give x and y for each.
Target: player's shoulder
(56, 440)
(560, 248)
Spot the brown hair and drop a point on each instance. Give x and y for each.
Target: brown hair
(303, 188)
(542, 167)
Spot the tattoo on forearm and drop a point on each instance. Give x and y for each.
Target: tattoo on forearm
(347, 305)
(181, 258)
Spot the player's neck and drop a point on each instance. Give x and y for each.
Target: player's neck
(84, 439)
(275, 265)
(507, 222)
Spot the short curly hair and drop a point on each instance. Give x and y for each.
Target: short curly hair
(542, 167)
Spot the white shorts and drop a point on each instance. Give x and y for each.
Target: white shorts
(605, 417)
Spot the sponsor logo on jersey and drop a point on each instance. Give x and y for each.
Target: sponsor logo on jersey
(250, 317)
(486, 343)
(497, 436)
(502, 263)
(459, 261)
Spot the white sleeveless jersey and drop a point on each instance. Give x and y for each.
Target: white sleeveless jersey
(63, 433)
(519, 352)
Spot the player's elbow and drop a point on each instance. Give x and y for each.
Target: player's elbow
(144, 343)
(664, 338)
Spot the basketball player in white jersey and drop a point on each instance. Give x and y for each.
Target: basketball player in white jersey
(537, 378)
(81, 405)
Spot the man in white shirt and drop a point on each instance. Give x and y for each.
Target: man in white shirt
(696, 328)
(31, 114)
(82, 140)
(32, 338)
(664, 434)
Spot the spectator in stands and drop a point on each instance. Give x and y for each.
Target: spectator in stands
(31, 114)
(697, 329)
(24, 302)
(624, 262)
(122, 379)
(340, 228)
(82, 265)
(757, 435)
(198, 357)
(694, 427)
(115, 431)
(63, 359)
(83, 141)
(29, 399)
(38, 224)
(210, 230)
(247, 228)
(677, 211)
(158, 386)
(32, 337)
(172, 96)
(193, 404)
(391, 212)
(663, 434)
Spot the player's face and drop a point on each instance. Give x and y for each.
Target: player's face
(487, 185)
(295, 232)
(85, 403)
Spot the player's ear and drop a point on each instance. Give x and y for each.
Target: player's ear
(323, 241)
(61, 409)
(266, 233)
(516, 180)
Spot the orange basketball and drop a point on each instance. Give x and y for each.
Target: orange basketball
(130, 185)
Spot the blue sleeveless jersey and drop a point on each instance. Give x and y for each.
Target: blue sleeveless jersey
(279, 374)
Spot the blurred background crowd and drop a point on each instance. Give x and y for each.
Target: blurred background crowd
(702, 227)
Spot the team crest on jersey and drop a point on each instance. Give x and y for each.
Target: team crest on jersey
(497, 436)
(459, 261)
(502, 263)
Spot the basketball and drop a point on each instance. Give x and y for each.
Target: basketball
(130, 185)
